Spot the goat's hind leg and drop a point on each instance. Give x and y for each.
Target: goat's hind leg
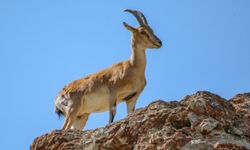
(80, 122)
(70, 117)
(69, 120)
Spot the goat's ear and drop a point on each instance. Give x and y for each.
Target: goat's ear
(130, 28)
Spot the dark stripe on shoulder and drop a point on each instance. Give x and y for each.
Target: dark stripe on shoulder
(129, 96)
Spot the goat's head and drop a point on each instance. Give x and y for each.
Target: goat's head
(143, 35)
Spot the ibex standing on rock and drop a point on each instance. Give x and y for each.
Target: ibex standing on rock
(103, 90)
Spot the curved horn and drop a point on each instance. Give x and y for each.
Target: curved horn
(139, 16)
(143, 17)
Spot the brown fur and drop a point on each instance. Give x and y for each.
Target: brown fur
(103, 90)
(109, 76)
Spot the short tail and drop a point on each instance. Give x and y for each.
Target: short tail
(59, 112)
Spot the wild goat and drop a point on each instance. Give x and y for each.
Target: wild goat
(103, 90)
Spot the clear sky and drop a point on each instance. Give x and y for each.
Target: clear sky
(46, 44)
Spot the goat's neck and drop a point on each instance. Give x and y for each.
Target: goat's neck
(138, 56)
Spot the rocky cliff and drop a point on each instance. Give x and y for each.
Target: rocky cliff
(202, 121)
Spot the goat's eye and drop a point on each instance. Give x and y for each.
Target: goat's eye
(143, 32)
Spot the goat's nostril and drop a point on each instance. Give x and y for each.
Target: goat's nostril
(160, 42)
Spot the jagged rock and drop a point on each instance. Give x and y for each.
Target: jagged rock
(200, 121)
(208, 125)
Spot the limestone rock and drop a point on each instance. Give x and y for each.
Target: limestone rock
(200, 121)
(207, 125)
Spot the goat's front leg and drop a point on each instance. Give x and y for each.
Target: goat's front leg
(131, 104)
(112, 108)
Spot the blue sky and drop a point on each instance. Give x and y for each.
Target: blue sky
(46, 44)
